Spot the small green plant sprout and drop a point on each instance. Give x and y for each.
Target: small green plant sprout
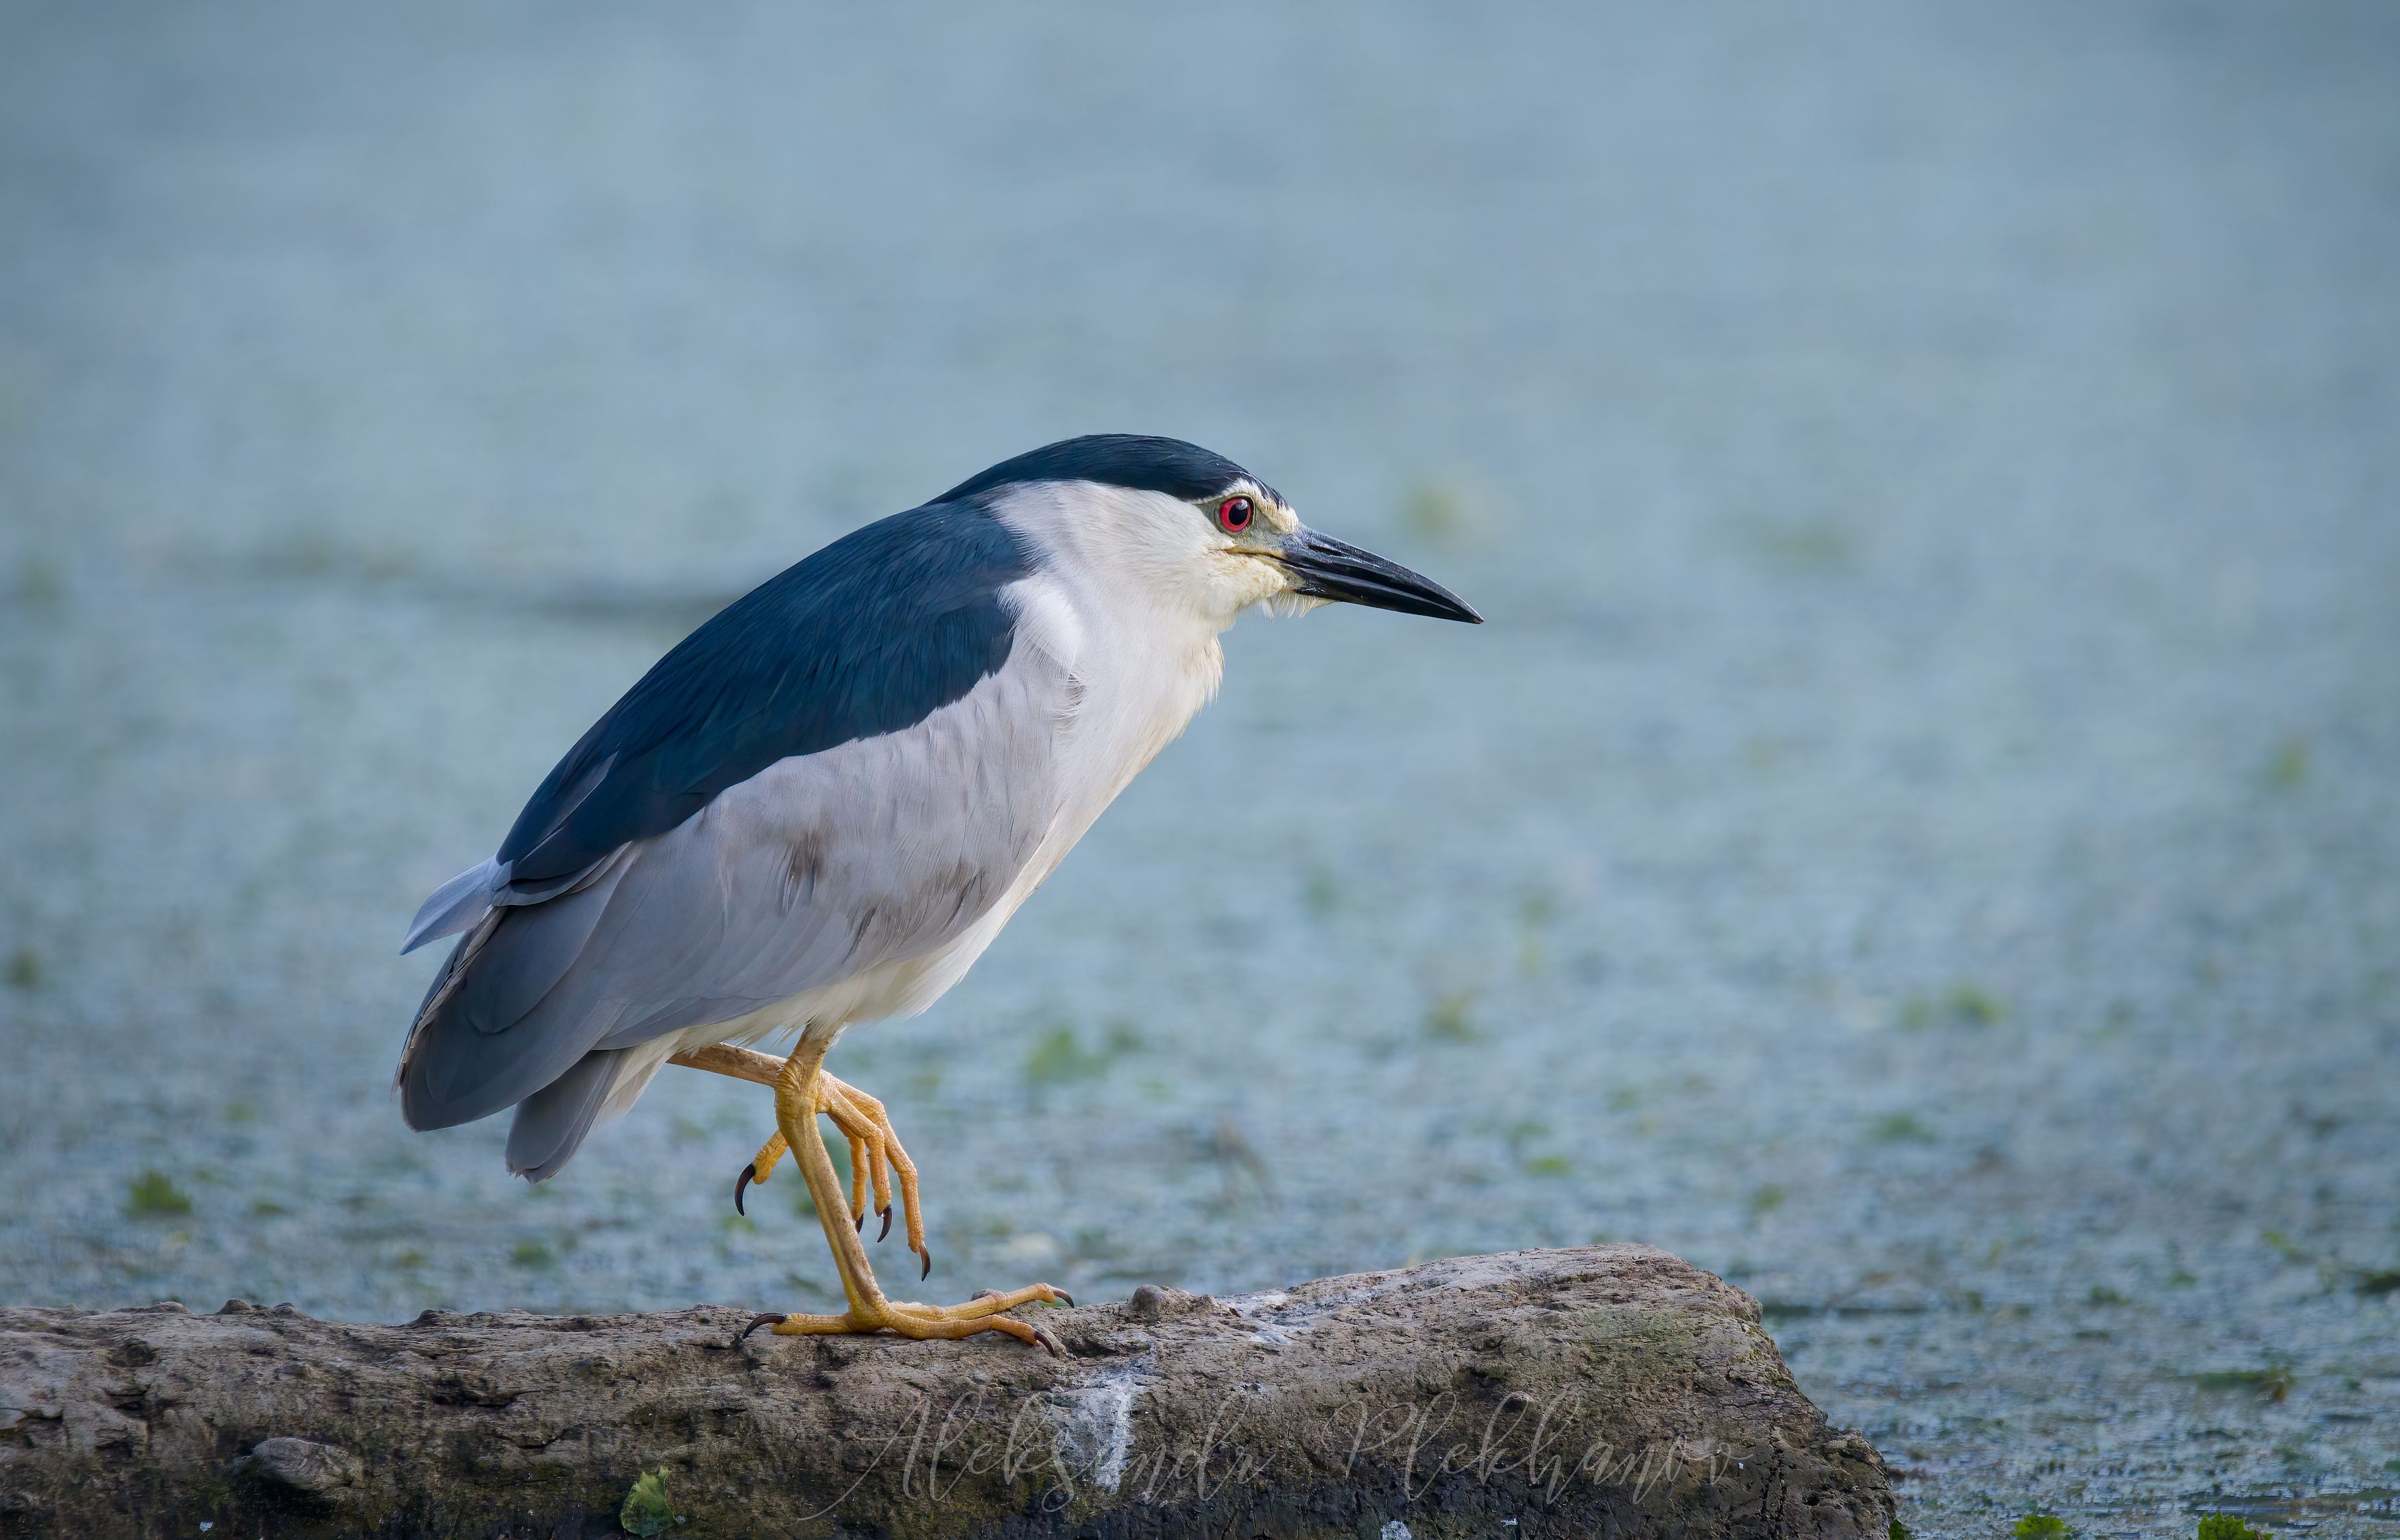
(38, 583)
(1439, 510)
(1060, 1055)
(647, 1511)
(1451, 1019)
(2272, 1383)
(2284, 1247)
(1534, 912)
(1900, 1129)
(2289, 766)
(154, 1194)
(1961, 1005)
(1523, 1132)
(2229, 1526)
(2044, 1526)
(1808, 546)
(1900, 1531)
(1970, 1005)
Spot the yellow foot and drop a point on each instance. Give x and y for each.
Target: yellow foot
(804, 1093)
(921, 1322)
(875, 1157)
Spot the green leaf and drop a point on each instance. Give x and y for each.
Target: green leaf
(154, 1194)
(647, 1511)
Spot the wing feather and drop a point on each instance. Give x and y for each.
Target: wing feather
(818, 868)
(867, 636)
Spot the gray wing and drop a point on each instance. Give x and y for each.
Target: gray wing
(815, 869)
(865, 638)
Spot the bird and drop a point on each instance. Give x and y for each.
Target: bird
(821, 807)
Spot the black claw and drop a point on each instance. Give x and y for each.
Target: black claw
(887, 1224)
(749, 1174)
(1064, 1295)
(928, 1271)
(1049, 1343)
(767, 1319)
(861, 1223)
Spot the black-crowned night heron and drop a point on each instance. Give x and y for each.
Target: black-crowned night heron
(822, 806)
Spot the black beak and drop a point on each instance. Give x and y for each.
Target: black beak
(1327, 568)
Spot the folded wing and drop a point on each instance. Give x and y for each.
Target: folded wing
(841, 772)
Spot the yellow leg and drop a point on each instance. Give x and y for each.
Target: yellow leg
(876, 1155)
(803, 1092)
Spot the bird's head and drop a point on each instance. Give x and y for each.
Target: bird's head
(1195, 528)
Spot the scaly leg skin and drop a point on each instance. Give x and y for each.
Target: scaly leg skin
(800, 1096)
(875, 1153)
(875, 1156)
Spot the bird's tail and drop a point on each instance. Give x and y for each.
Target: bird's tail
(491, 1032)
(456, 905)
(551, 1123)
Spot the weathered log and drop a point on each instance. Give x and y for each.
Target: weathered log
(1609, 1390)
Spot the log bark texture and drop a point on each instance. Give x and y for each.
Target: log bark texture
(1607, 1390)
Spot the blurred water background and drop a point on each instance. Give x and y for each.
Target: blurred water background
(1917, 835)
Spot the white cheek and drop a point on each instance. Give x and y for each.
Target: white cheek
(1238, 582)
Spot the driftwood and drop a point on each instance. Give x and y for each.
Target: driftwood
(1609, 1390)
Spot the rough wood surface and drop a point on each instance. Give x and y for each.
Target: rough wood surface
(1609, 1390)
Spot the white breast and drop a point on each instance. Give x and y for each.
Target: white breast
(1137, 663)
(1140, 661)
(1136, 685)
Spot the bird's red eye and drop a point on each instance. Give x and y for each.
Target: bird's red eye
(1235, 514)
